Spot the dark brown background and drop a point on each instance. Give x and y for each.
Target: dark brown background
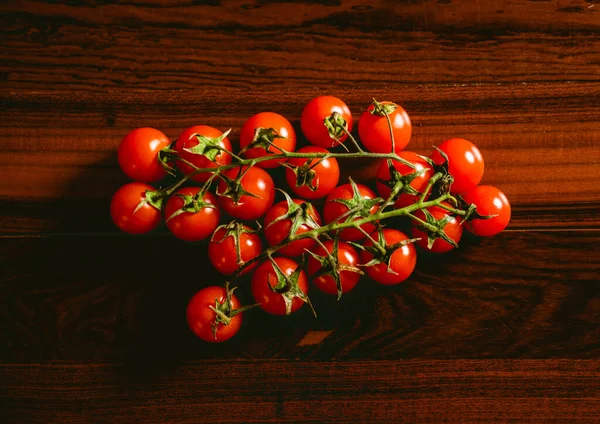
(503, 330)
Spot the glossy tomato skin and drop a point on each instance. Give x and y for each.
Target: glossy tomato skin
(222, 252)
(255, 180)
(200, 317)
(453, 229)
(419, 183)
(265, 276)
(374, 130)
(313, 117)
(267, 120)
(346, 255)
(402, 261)
(465, 163)
(334, 209)
(280, 230)
(489, 201)
(327, 173)
(138, 155)
(191, 226)
(124, 203)
(186, 141)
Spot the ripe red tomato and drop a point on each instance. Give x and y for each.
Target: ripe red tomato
(334, 209)
(489, 201)
(346, 257)
(402, 260)
(453, 229)
(256, 181)
(374, 129)
(138, 154)
(465, 163)
(187, 141)
(272, 127)
(265, 278)
(419, 183)
(125, 213)
(320, 174)
(195, 220)
(280, 230)
(222, 249)
(313, 118)
(201, 317)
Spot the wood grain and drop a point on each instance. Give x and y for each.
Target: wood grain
(465, 391)
(195, 45)
(539, 142)
(106, 298)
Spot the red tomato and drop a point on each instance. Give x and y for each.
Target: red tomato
(276, 129)
(465, 163)
(402, 260)
(187, 140)
(419, 183)
(138, 154)
(325, 174)
(123, 209)
(374, 129)
(222, 249)
(195, 222)
(489, 201)
(453, 229)
(256, 181)
(313, 118)
(280, 230)
(333, 209)
(265, 277)
(346, 256)
(201, 317)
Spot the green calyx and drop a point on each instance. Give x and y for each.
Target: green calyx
(287, 287)
(299, 214)
(435, 228)
(153, 198)
(166, 156)
(235, 229)
(224, 311)
(336, 125)
(400, 184)
(234, 189)
(445, 180)
(210, 147)
(381, 251)
(305, 174)
(358, 206)
(331, 266)
(191, 204)
(383, 109)
(265, 138)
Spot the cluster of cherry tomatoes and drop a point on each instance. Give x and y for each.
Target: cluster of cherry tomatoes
(215, 180)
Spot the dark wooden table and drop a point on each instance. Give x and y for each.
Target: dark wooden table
(92, 327)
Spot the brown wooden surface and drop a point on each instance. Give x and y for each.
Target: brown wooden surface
(503, 330)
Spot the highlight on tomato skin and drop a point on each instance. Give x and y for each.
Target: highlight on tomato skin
(315, 113)
(374, 130)
(490, 202)
(465, 163)
(138, 155)
(201, 317)
(129, 214)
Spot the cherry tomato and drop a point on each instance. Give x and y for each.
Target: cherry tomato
(276, 129)
(138, 154)
(280, 230)
(222, 249)
(374, 129)
(453, 229)
(346, 255)
(201, 317)
(195, 222)
(402, 260)
(187, 140)
(489, 201)
(325, 174)
(256, 181)
(313, 118)
(465, 163)
(333, 209)
(419, 183)
(265, 278)
(123, 209)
